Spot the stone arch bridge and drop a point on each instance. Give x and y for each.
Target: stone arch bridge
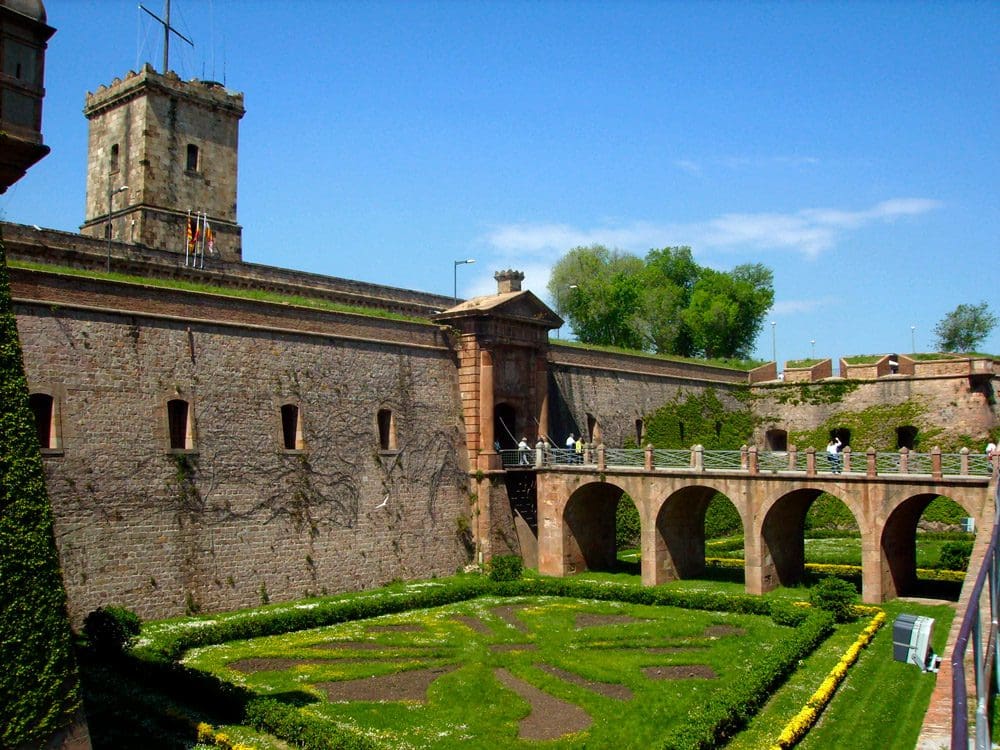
(577, 503)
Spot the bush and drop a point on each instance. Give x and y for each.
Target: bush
(627, 526)
(722, 518)
(788, 613)
(111, 630)
(943, 510)
(836, 597)
(829, 512)
(955, 555)
(506, 568)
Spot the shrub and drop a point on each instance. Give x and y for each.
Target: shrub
(829, 512)
(955, 555)
(836, 597)
(944, 511)
(722, 518)
(627, 526)
(506, 568)
(788, 613)
(111, 630)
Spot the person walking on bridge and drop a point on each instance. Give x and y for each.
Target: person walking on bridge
(833, 454)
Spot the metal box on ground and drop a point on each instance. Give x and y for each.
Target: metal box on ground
(911, 641)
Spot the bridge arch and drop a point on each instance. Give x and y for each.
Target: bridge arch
(780, 539)
(898, 543)
(588, 527)
(675, 539)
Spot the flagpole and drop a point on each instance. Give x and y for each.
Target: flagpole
(204, 232)
(187, 237)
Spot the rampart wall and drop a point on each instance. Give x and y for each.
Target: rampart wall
(956, 406)
(236, 518)
(379, 483)
(616, 390)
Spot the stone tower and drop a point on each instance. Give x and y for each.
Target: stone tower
(160, 147)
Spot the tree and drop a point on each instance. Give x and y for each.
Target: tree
(599, 291)
(964, 328)
(665, 303)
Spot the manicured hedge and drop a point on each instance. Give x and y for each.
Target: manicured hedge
(707, 727)
(716, 722)
(39, 683)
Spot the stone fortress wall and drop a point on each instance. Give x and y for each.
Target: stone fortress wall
(382, 480)
(237, 517)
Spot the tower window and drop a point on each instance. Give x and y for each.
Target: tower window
(179, 424)
(386, 430)
(291, 427)
(114, 158)
(192, 158)
(43, 408)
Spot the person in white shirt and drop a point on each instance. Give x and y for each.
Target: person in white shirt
(833, 454)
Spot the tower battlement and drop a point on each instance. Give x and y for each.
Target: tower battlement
(160, 148)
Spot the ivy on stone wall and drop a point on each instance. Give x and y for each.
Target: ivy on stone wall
(814, 394)
(700, 419)
(39, 691)
(875, 427)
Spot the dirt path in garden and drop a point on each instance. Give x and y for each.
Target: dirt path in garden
(550, 717)
(411, 685)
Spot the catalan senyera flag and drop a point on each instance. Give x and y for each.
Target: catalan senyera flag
(191, 233)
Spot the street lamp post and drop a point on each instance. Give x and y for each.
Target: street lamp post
(457, 264)
(774, 343)
(913, 339)
(812, 343)
(571, 287)
(111, 194)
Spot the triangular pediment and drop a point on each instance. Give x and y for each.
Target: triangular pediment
(522, 306)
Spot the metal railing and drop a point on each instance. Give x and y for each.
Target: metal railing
(985, 653)
(810, 461)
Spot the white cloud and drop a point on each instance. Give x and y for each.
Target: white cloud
(809, 231)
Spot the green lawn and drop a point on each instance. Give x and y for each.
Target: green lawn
(880, 704)
(607, 643)
(835, 551)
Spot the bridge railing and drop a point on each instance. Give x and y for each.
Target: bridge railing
(624, 457)
(985, 649)
(809, 461)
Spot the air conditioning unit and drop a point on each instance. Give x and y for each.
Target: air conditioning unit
(911, 642)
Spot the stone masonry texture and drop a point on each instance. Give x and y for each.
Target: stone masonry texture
(239, 519)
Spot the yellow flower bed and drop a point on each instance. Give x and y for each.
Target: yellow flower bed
(802, 722)
(208, 736)
(954, 576)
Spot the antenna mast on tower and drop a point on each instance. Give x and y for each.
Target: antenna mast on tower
(167, 28)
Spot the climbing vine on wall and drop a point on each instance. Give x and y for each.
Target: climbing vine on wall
(38, 686)
(813, 394)
(700, 419)
(875, 427)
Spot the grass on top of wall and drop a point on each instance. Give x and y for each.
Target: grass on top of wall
(257, 295)
(742, 365)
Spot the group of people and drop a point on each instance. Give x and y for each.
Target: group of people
(576, 445)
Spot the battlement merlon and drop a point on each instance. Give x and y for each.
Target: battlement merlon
(209, 94)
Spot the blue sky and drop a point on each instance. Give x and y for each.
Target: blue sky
(851, 146)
